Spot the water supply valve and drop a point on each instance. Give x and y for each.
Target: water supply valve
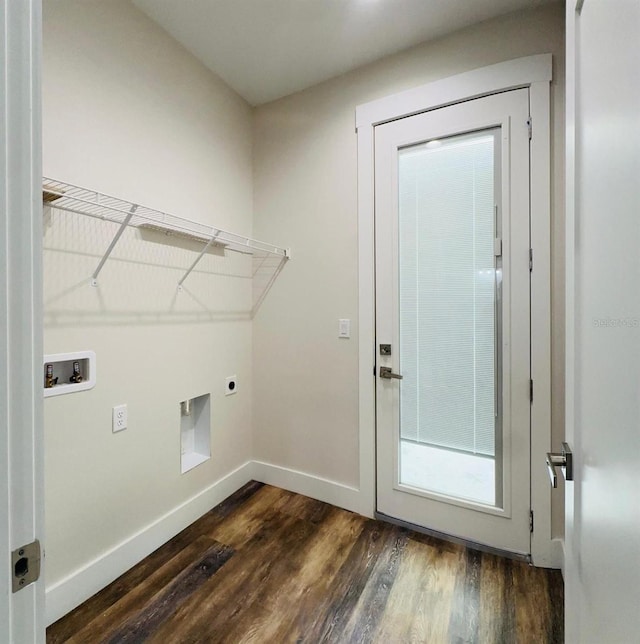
(76, 376)
(49, 380)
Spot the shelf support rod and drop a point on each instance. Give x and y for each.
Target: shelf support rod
(198, 258)
(112, 245)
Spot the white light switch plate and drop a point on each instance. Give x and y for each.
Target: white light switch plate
(344, 328)
(119, 418)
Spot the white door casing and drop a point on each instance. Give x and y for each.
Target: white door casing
(602, 504)
(533, 72)
(21, 439)
(505, 527)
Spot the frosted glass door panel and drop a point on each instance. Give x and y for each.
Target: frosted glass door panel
(448, 312)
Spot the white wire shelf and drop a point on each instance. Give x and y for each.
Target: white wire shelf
(82, 201)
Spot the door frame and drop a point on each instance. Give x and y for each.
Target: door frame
(22, 614)
(534, 73)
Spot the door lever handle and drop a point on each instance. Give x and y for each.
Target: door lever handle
(387, 374)
(563, 460)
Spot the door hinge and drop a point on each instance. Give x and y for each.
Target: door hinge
(530, 127)
(25, 565)
(497, 247)
(531, 390)
(531, 260)
(530, 520)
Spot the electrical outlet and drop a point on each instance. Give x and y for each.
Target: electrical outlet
(119, 418)
(231, 385)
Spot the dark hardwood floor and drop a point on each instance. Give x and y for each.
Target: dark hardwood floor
(268, 565)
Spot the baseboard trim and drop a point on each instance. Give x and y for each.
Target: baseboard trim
(338, 494)
(557, 553)
(70, 592)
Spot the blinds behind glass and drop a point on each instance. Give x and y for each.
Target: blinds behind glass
(447, 294)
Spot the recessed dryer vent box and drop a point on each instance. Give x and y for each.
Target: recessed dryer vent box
(67, 373)
(195, 431)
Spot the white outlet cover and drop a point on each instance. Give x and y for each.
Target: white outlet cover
(231, 386)
(119, 418)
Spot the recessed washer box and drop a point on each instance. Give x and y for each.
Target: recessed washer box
(62, 378)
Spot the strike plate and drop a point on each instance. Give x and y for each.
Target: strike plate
(25, 565)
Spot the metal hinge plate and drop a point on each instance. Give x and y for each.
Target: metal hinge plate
(530, 127)
(530, 520)
(530, 260)
(531, 390)
(25, 565)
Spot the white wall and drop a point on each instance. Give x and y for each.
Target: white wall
(305, 161)
(129, 112)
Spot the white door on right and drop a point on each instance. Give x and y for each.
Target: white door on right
(602, 540)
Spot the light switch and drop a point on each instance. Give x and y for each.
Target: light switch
(344, 328)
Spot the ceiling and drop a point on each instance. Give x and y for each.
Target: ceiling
(266, 49)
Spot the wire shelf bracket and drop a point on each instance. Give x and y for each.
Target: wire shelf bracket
(197, 259)
(112, 245)
(82, 201)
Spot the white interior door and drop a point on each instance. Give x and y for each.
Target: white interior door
(452, 320)
(21, 440)
(602, 530)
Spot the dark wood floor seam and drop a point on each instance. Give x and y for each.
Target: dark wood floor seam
(141, 625)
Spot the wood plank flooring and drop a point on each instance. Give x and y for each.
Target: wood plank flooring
(268, 565)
